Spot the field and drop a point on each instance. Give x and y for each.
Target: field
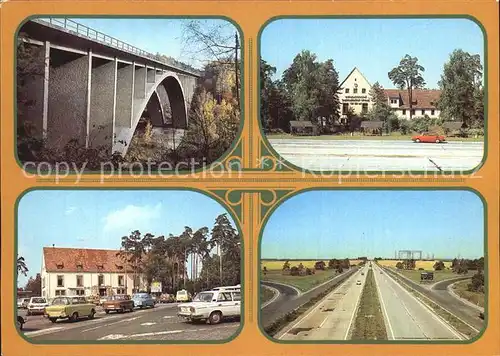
(273, 265)
(304, 283)
(426, 265)
(474, 297)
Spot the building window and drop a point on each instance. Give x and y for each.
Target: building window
(363, 90)
(100, 280)
(347, 90)
(60, 292)
(120, 281)
(80, 292)
(43, 282)
(120, 291)
(60, 281)
(394, 101)
(413, 111)
(432, 112)
(423, 112)
(404, 112)
(345, 108)
(355, 90)
(364, 108)
(79, 281)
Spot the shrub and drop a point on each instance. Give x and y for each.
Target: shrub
(294, 271)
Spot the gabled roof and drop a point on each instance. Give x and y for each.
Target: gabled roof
(62, 259)
(424, 98)
(352, 71)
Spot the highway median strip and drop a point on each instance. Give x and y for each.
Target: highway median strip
(369, 321)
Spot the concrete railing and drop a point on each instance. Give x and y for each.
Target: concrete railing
(87, 32)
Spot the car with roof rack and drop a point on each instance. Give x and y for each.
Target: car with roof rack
(213, 305)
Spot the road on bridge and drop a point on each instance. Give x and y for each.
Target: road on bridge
(159, 323)
(379, 155)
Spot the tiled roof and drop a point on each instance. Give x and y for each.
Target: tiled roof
(62, 259)
(425, 99)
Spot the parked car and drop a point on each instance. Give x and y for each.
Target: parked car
(167, 298)
(37, 305)
(428, 138)
(358, 282)
(143, 300)
(21, 321)
(72, 308)
(26, 301)
(94, 299)
(182, 296)
(118, 303)
(213, 305)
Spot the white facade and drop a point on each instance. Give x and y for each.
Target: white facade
(355, 93)
(405, 113)
(83, 283)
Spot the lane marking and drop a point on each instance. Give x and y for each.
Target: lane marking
(148, 324)
(168, 316)
(298, 291)
(116, 322)
(49, 330)
(113, 337)
(386, 315)
(323, 323)
(429, 310)
(273, 299)
(319, 304)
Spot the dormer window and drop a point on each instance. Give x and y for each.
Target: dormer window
(60, 265)
(79, 266)
(100, 267)
(120, 267)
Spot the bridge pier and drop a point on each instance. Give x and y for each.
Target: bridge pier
(124, 94)
(67, 98)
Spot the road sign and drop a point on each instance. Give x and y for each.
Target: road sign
(156, 287)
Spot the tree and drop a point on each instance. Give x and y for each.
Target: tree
(381, 111)
(462, 94)
(399, 265)
(319, 265)
(227, 240)
(132, 251)
(266, 86)
(439, 266)
(477, 283)
(408, 75)
(34, 285)
(264, 270)
(220, 42)
(21, 266)
(286, 266)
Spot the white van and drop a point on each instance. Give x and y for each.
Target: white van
(182, 296)
(37, 305)
(213, 305)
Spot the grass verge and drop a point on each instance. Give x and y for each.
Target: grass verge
(414, 275)
(303, 283)
(369, 321)
(265, 294)
(273, 328)
(461, 289)
(451, 319)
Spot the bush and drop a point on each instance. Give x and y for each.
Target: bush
(477, 283)
(475, 132)
(294, 271)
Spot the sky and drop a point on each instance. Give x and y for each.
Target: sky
(99, 218)
(153, 35)
(374, 46)
(351, 223)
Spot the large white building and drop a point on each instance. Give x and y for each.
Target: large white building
(76, 271)
(354, 93)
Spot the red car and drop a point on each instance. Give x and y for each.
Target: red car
(428, 138)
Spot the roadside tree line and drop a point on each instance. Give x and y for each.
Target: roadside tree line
(308, 91)
(164, 259)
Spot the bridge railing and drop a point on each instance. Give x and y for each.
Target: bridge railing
(101, 37)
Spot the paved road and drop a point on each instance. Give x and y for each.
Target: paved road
(290, 300)
(332, 317)
(406, 318)
(160, 323)
(379, 155)
(443, 298)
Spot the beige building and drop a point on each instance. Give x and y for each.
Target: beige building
(75, 271)
(354, 93)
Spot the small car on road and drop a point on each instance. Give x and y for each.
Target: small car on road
(118, 303)
(213, 305)
(72, 308)
(143, 300)
(428, 138)
(37, 305)
(358, 282)
(182, 296)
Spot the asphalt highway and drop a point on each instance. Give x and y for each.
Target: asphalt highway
(379, 155)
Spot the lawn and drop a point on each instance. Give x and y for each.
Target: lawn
(474, 297)
(393, 137)
(303, 283)
(278, 264)
(265, 294)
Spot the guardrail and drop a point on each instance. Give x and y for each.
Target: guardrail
(101, 37)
